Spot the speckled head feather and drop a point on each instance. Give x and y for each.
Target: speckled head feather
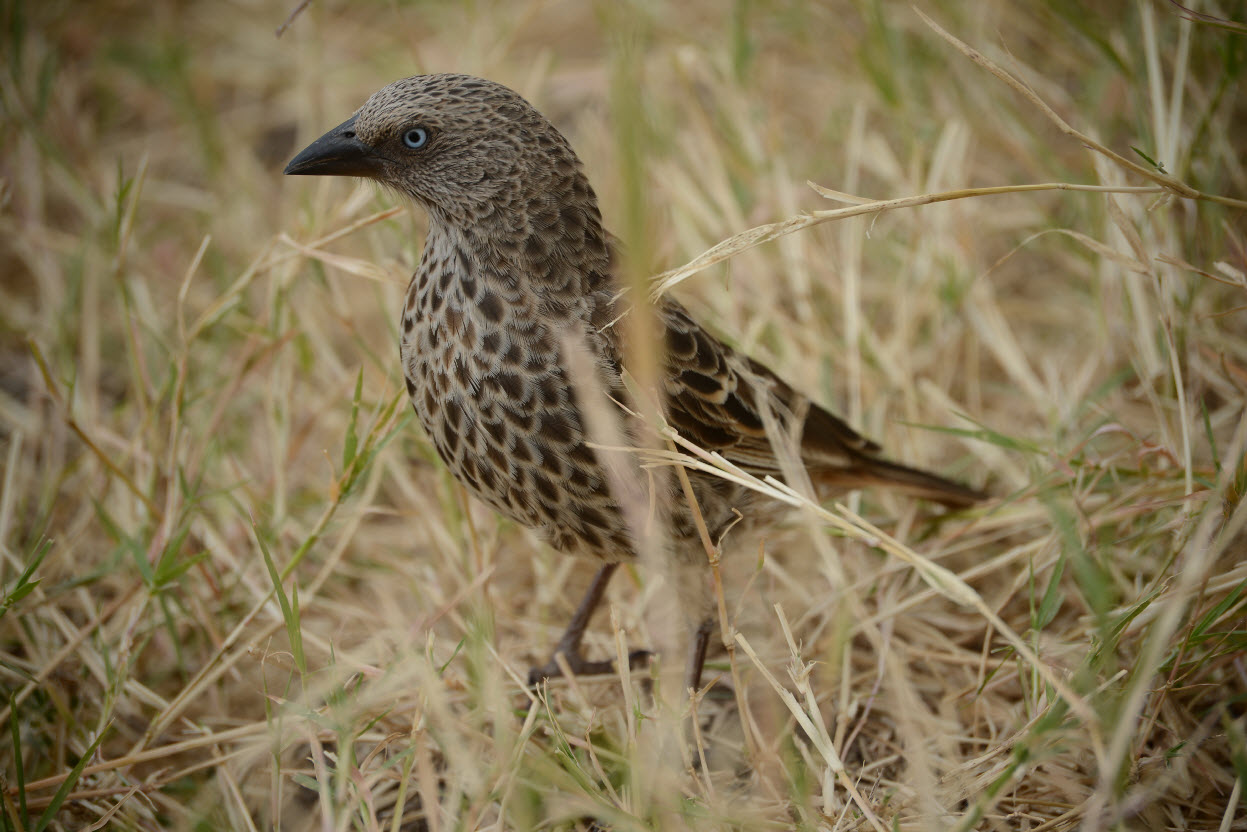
(516, 262)
(485, 148)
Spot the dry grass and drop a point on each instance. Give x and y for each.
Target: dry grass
(201, 401)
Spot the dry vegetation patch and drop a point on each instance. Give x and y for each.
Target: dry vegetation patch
(240, 591)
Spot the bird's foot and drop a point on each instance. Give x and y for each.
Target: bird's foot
(580, 666)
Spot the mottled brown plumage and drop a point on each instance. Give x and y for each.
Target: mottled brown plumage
(516, 262)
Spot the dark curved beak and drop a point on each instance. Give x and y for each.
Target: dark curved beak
(337, 153)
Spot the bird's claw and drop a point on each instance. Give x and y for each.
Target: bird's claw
(580, 666)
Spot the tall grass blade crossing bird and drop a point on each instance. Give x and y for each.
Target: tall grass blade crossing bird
(516, 258)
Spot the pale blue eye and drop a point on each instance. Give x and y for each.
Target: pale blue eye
(416, 138)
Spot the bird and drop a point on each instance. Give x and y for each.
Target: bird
(517, 273)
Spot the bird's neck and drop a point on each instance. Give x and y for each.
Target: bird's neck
(554, 252)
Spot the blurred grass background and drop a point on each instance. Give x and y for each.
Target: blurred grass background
(200, 400)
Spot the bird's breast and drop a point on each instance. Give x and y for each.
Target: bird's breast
(482, 364)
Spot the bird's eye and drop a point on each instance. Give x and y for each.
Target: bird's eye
(416, 138)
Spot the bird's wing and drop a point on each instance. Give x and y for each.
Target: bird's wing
(716, 396)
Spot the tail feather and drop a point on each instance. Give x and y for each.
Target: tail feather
(928, 486)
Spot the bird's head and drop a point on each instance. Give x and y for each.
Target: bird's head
(467, 149)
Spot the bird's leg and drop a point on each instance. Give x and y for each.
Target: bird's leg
(569, 642)
(697, 654)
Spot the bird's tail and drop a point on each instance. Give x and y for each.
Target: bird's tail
(918, 483)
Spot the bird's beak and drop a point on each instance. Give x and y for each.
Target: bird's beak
(337, 153)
